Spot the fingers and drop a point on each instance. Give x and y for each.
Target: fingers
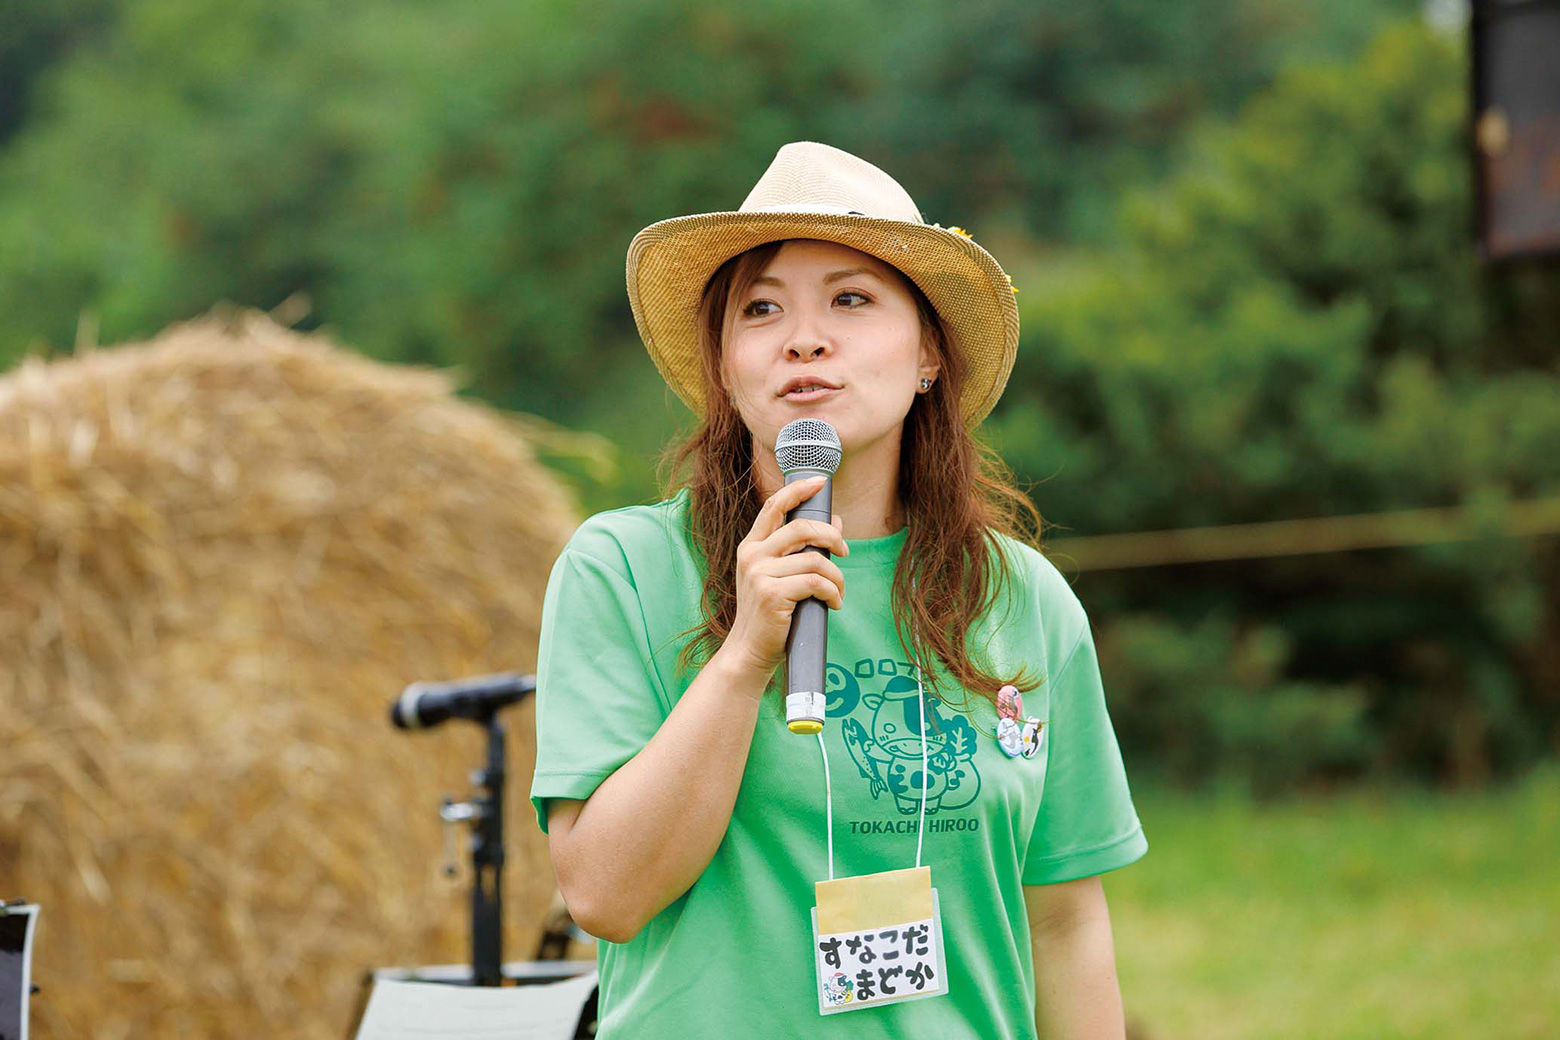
(774, 574)
(807, 563)
(772, 515)
(793, 589)
(801, 533)
(772, 552)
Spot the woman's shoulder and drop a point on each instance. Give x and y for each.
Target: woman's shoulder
(622, 536)
(1035, 570)
(1036, 584)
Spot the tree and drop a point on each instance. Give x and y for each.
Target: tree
(1298, 326)
(456, 183)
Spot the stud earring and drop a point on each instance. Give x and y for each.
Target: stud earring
(926, 384)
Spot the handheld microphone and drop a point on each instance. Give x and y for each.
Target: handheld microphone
(808, 448)
(425, 704)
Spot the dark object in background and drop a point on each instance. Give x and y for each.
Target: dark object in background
(1516, 127)
(478, 700)
(16, 930)
(426, 704)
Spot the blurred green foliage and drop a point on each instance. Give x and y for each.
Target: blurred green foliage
(457, 183)
(1296, 326)
(1291, 324)
(35, 35)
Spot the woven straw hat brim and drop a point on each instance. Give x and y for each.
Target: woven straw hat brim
(670, 262)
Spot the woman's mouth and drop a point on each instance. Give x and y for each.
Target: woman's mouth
(809, 392)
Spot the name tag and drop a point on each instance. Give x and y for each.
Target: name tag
(877, 939)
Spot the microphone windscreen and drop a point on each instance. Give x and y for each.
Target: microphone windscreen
(809, 444)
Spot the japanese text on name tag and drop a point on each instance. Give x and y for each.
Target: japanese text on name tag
(878, 966)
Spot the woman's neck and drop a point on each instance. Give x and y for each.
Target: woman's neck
(865, 492)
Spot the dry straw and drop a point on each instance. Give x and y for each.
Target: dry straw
(221, 553)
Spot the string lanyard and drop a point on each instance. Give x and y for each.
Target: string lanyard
(926, 781)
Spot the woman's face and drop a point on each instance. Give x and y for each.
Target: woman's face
(826, 332)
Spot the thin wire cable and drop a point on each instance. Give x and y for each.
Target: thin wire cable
(926, 780)
(828, 805)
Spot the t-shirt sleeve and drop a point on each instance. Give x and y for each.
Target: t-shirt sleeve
(1086, 824)
(599, 699)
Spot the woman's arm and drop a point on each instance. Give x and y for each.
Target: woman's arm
(1077, 996)
(648, 831)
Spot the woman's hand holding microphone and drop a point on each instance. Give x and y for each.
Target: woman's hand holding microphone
(775, 573)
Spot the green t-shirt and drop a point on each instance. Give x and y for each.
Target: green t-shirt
(733, 955)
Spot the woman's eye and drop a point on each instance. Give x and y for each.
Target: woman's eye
(756, 309)
(849, 296)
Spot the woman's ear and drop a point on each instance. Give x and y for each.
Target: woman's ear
(929, 362)
(926, 374)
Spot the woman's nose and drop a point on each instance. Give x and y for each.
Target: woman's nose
(808, 341)
(805, 349)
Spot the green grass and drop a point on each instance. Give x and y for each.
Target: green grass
(1366, 916)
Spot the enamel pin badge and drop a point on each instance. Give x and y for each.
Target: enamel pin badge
(1016, 735)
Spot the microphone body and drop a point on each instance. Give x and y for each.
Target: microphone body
(808, 448)
(425, 704)
(807, 647)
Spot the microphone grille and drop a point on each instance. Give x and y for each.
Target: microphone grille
(808, 444)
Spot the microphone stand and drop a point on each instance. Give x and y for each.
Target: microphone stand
(485, 812)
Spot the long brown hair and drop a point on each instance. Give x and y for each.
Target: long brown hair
(957, 494)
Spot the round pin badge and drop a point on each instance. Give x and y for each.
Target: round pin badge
(1010, 732)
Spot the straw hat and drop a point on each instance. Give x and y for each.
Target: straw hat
(814, 191)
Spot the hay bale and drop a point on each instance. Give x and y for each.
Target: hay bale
(222, 553)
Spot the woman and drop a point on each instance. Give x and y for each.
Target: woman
(966, 725)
